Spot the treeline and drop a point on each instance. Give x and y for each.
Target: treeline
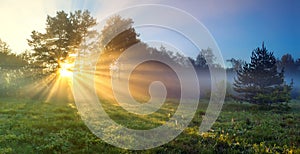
(68, 36)
(73, 35)
(287, 64)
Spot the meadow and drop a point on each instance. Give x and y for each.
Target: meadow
(33, 126)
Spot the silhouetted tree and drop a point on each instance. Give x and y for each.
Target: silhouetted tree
(297, 63)
(9, 60)
(205, 59)
(64, 35)
(116, 36)
(287, 59)
(259, 82)
(200, 62)
(237, 64)
(287, 63)
(4, 48)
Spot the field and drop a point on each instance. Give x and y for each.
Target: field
(31, 126)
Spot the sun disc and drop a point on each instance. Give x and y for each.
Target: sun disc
(65, 73)
(65, 70)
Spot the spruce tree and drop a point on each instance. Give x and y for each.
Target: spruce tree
(260, 82)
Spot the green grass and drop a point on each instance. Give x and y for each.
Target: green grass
(31, 126)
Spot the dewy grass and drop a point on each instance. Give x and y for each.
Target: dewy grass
(31, 126)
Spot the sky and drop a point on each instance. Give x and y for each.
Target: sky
(237, 26)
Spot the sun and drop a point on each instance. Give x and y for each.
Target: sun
(66, 70)
(65, 73)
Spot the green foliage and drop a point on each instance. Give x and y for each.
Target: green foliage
(118, 34)
(65, 34)
(9, 60)
(205, 60)
(236, 64)
(259, 82)
(4, 48)
(14, 72)
(29, 126)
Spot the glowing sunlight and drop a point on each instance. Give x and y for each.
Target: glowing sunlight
(66, 70)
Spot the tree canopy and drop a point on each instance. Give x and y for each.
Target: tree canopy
(288, 63)
(64, 35)
(259, 81)
(118, 34)
(8, 60)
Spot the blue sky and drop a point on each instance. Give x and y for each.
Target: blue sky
(276, 23)
(241, 26)
(237, 26)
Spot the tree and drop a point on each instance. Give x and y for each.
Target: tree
(259, 82)
(287, 59)
(287, 62)
(9, 60)
(297, 63)
(116, 36)
(205, 60)
(4, 48)
(84, 36)
(64, 35)
(200, 62)
(13, 73)
(236, 63)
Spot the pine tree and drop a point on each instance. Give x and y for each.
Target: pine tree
(259, 81)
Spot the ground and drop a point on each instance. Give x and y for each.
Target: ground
(32, 126)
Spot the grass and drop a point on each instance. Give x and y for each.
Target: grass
(31, 126)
